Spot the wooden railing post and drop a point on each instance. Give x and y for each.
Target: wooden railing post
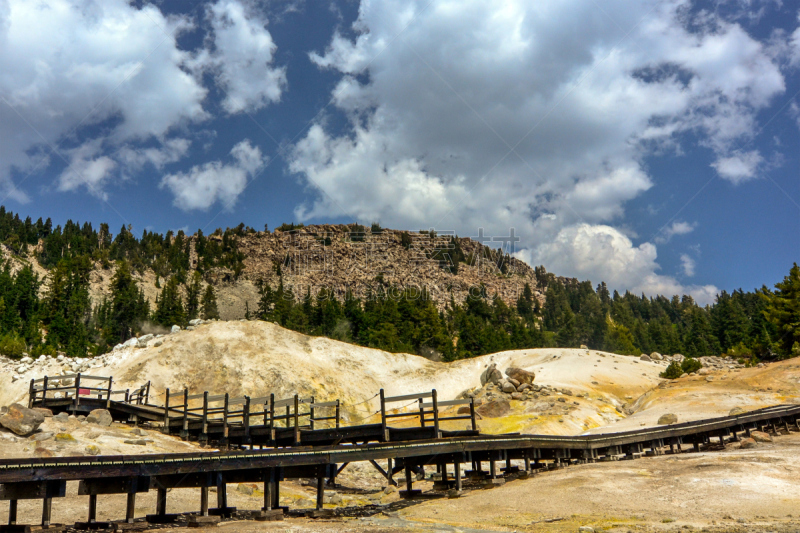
(296, 419)
(44, 391)
(246, 420)
(204, 431)
(185, 428)
(146, 395)
(384, 432)
(225, 421)
(272, 416)
(435, 414)
(31, 392)
(472, 414)
(166, 412)
(311, 413)
(108, 392)
(421, 413)
(338, 416)
(76, 400)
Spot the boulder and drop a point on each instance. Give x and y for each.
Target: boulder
(508, 387)
(92, 450)
(520, 375)
(142, 341)
(748, 443)
(736, 411)
(491, 375)
(667, 419)
(524, 387)
(655, 356)
(21, 420)
(517, 396)
(133, 341)
(584, 347)
(101, 417)
(47, 413)
(40, 437)
(247, 488)
(760, 436)
(514, 382)
(646, 358)
(494, 409)
(175, 329)
(195, 321)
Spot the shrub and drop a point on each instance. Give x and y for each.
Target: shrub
(12, 346)
(673, 371)
(376, 228)
(691, 365)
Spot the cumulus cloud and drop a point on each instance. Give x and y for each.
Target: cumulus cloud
(527, 115)
(242, 57)
(739, 166)
(678, 227)
(112, 76)
(215, 181)
(688, 265)
(601, 252)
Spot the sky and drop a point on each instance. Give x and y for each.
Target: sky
(651, 144)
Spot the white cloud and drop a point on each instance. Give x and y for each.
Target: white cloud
(451, 87)
(216, 181)
(688, 265)
(170, 151)
(243, 53)
(739, 166)
(603, 253)
(87, 169)
(678, 227)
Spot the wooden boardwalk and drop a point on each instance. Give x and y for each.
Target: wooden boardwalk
(307, 451)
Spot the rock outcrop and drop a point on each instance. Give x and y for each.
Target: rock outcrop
(21, 420)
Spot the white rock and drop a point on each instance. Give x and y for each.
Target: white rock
(60, 358)
(175, 329)
(26, 360)
(196, 322)
(130, 342)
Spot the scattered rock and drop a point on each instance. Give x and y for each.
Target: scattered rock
(517, 396)
(247, 488)
(175, 329)
(747, 444)
(92, 450)
(39, 437)
(562, 399)
(47, 413)
(494, 409)
(65, 437)
(491, 375)
(655, 356)
(21, 420)
(508, 387)
(584, 347)
(667, 419)
(760, 436)
(101, 417)
(514, 382)
(646, 358)
(520, 375)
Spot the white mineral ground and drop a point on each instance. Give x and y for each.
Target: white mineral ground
(744, 490)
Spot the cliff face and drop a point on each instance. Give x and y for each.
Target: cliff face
(334, 257)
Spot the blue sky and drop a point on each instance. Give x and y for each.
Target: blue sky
(651, 144)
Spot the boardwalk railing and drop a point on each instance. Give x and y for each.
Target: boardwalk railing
(426, 412)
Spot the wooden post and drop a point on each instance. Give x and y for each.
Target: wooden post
(127, 396)
(389, 471)
(222, 493)
(203, 501)
(31, 394)
(108, 393)
(225, 421)
(409, 483)
(246, 420)
(492, 468)
(269, 477)
(457, 473)
(472, 414)
(337, 414)
(166, 413)
(271, 416)
(204, 430)
(161, 502)
(435, 414)
(320, 491)
(12, 512)
(296, 419)
(92, 508)
(44, 391)
(146, 395)
(130, 507)
(384, 432)
(76, 400)
(311, 413)
(421, 414)
(47, 508)
(185, 429)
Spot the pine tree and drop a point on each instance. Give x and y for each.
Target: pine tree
(209, 304)
(169, 306)
(193, 296)
(783, 310)
(128, 308)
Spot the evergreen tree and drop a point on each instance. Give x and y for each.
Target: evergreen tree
(128, 308)
(169, 305)
(209, 304)
(783, 310)
(193, 289)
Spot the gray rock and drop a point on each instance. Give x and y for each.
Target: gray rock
(196, 322)
(39, 437)
(668, 418)
(101, 417)
(136, 442)
(522, 376)
(175, 329)
(514, 382)
(508, 387)
(21, 420)
(748, 443)
(517, 396)
(655, 356)
(47, 413)
(646, 358)
(491, 375)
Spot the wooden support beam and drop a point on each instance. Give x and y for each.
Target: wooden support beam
(320, 492)
(185, 427)
(384, 431)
